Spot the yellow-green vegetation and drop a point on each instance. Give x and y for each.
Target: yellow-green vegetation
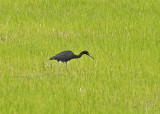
(122, 35)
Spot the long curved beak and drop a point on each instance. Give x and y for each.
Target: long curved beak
(90, 56)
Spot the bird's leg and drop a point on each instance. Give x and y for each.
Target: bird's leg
(60, 65)
(66, 66)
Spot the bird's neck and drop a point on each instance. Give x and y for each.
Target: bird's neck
(78, 56)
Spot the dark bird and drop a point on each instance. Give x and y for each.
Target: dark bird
(66, 56)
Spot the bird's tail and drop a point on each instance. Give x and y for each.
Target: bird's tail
(51, 58)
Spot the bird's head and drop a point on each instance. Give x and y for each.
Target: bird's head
(87, 53)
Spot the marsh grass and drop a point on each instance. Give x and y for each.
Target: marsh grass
(122, 36)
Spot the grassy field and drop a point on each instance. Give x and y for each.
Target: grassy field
(122, 35)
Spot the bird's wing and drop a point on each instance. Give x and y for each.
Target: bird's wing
(64, 56)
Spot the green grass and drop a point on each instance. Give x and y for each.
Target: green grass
(122, 35)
